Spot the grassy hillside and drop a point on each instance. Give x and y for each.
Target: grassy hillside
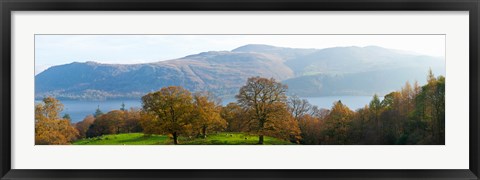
(214, 139)
(120, 139)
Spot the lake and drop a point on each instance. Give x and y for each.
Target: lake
(79, 109)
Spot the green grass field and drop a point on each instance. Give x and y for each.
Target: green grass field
(214, 139)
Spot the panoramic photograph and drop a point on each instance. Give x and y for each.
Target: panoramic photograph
(239, 89)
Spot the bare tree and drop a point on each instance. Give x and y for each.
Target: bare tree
(298, 107)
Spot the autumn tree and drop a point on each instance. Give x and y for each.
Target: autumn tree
(150, 124)
(206, 113)
(109, 123)
(361, 127)
(320, 113)
(337, 124)
(49, 127)
(413, 115)
(265, 100)
(407, 98)
(311, 129)
(376, 108)
(236, 117)
(395, 115)
(171, 110)
(84, 125)
(132, 120)
(430, 109)
(310, 119)
(280, 124)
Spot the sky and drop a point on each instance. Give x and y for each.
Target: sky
(52, 50)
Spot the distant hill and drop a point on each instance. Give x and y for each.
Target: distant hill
(220, 72)
(307, 72)
(367, 83)
(345, 60)
(285, 54)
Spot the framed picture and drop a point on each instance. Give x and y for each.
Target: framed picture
(233, 89)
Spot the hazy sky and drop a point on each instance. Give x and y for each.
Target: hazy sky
(51, 50)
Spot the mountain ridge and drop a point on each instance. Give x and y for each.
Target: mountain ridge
(223, 72)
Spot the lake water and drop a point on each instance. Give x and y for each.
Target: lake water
(79, 109)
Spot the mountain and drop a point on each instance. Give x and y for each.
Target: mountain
(307, 72)
(285, 54)
(340, 60)
(219, 72)
(367, 83)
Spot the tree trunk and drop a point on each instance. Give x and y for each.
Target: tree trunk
(262, 124)
(175, 138)
(204, 132)
(260, 139)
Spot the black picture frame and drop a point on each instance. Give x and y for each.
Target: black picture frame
(7, 6)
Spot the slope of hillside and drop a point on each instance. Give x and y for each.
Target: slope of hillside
(380, 82)
(219, 72)
(341, 60)
(308, 72)
(282, 53)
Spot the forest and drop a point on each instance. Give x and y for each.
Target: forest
(263, 114)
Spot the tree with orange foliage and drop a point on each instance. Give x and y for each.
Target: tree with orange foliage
(170, 110)
(83, 125)
(265, 100)
(337, 124)
(132, 120)
(49, 127)
(236, 117)
(109, 123)
(206, 113)
(311, 129)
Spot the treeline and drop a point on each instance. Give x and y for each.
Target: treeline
(413, 115)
